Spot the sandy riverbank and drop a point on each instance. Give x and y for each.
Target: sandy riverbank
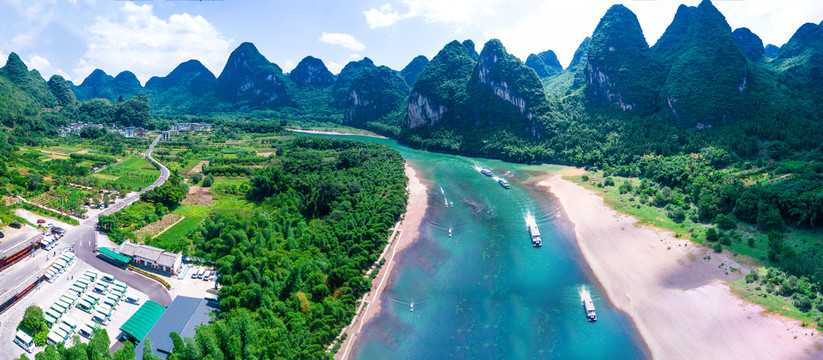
(679, 300)
(334, 133)
(409, 230)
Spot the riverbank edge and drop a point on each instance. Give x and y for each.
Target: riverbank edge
(408, 231)
(676, 304)
(321, 132)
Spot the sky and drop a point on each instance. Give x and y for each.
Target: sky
(150, 38)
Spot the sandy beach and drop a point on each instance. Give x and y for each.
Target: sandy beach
(408, 231)
(334, 133)
(678, 299)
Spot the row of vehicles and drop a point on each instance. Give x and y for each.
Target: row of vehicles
(203, 273)
(60, 266)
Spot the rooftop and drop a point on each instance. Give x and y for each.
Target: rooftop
(139, 324)
(183, 316)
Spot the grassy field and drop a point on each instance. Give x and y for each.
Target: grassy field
(176, 238)
(192, 210)
(775, 304)
(228, 204)
(135, 172)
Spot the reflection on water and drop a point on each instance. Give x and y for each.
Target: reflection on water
(485, 292)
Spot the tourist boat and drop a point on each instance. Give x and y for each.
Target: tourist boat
(411, 307)
(504, 183)
(531, 225)
(450, 232)
(487, 172)
(588, 305)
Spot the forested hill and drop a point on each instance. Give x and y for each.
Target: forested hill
(700, 84)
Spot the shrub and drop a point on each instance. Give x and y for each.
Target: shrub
(608, 182)
(718, 248)
(208, 181)
(725, 222)
(750, 241)
(711, 235)
(803, 304)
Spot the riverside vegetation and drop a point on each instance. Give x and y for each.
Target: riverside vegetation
(718, 141)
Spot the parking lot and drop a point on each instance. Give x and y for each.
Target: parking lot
(47, 294)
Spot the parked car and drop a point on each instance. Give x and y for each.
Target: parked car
(2, 235)
(41, 221)
(16, 225)
(132, 300)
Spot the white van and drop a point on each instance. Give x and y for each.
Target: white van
(55, 336)
(100, 318)
(108, 278)
(87, 330)
(24, 340)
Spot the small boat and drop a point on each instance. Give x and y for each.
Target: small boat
(450, 232)
(487, 172)
(411, 307)
(451, 203)
(534, 233)
(504, 184)
(588, 305)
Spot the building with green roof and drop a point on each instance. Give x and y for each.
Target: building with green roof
(113, 257)
(142, 321)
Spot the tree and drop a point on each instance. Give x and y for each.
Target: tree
(711, 234)
(725, 222)
(196, 178)
(208, 181)
(33, 320)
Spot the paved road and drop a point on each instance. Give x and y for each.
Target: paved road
(85, 241)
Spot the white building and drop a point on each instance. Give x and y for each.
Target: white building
(152, 258)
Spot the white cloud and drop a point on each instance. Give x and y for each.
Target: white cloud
(385, 16)
(37, 62)
(289, 65)
(455, 12)
(135, 39)
(334, 67)
(345, 40)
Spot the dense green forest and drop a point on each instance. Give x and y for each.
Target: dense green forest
(719, 129)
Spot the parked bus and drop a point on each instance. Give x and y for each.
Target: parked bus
(54, 337)
(24, 340)
(87, 330)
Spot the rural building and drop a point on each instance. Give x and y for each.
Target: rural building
(17, 248)
(166, 136)
(140, 132)
(139, 324)
(152, 258)
(114, 258)
(183, 316)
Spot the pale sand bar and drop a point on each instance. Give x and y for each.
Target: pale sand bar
(679, 301)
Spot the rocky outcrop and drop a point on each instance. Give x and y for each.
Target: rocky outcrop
(340, 91)
(708, 81)
(413, 69)
(621, 70)
(749, 43)
(423, 112)
(440, 87)
(503, 91)
(249, 81)
(772, 50)
(545, 64)
(190, 77)
(313, 72)
(375, 92)
(99, 85)
(671, 43)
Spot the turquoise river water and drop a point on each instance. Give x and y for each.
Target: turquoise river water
(486, 292)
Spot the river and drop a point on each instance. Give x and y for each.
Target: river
(485, 292)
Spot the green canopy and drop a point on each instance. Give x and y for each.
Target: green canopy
(143, 320)
(119, 257)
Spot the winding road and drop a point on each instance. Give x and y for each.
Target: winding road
(85, 241)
